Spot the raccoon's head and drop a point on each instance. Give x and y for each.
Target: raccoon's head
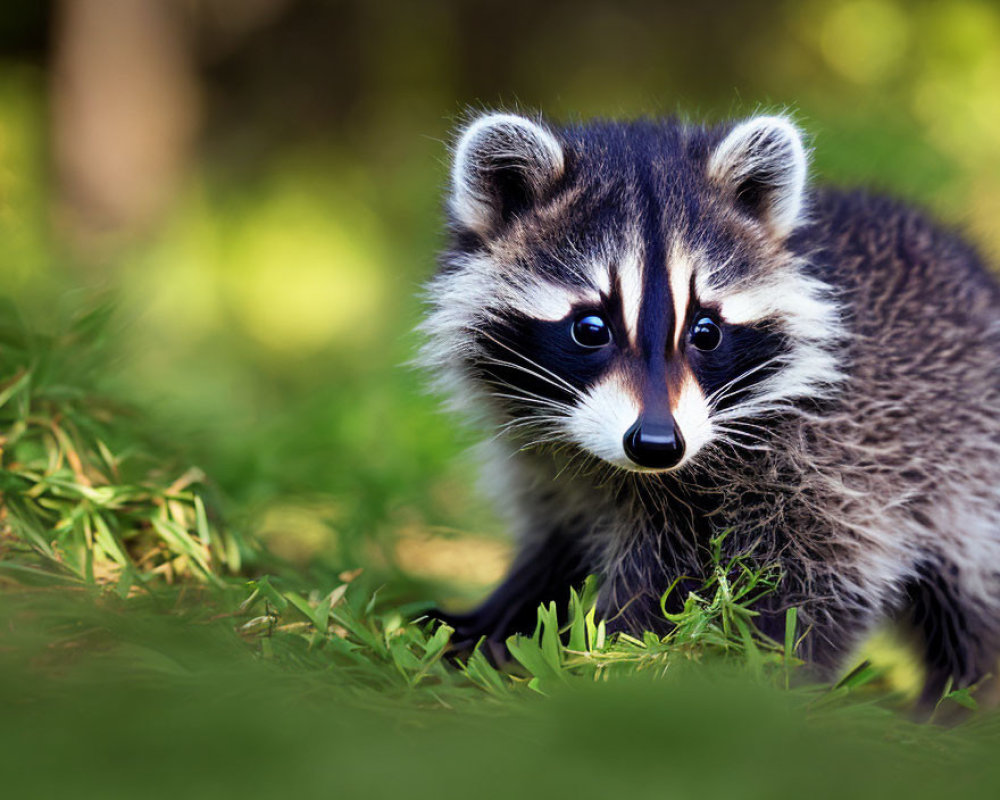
(629, 290)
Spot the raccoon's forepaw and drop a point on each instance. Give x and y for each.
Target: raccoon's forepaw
(468, 633)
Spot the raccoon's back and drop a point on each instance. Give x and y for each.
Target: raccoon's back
(921, 352)
(890, 258)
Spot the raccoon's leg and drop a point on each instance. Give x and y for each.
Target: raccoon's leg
(544, 570)
(834, 616)
(956, 641)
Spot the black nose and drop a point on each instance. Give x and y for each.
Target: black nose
(654, 445)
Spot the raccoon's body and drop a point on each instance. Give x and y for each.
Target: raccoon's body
(675, 337)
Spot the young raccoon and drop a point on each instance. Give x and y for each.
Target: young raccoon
(674, 336)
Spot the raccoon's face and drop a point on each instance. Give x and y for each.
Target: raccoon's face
(628, 290)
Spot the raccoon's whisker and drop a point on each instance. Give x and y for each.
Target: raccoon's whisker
(535, 399)
(751, 428)
(763, 365)
(752, 411)
(501, 363)
(521, 368)
(741, 438)
(536, 443)
(539, 425)
(737, 437)
(560, 380)
(513, 391)
(535, 421)
(541, 422)
(578, 463)
(757, 405)
(565, 467)
(720, 394)
(763, 448)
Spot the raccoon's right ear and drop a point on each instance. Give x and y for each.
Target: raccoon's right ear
(503, 164)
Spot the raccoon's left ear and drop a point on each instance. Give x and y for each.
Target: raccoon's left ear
(762, 162)
(503, 163)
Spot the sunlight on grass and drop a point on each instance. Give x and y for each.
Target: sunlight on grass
(896, 662)
(476, 561)
(298, 532)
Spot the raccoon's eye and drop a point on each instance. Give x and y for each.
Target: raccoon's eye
(706, 334)
(591, 331)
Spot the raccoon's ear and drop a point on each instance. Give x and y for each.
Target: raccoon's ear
(762, 162)
(503, 164)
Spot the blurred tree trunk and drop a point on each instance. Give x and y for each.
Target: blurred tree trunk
(125, 110)
(126, 106)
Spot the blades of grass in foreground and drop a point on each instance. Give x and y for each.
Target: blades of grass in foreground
(83, 492)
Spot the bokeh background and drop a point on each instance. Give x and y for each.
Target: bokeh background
(255, 186)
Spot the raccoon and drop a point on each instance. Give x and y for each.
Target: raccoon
(672, 335)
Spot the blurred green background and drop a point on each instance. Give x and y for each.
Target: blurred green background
(256, 186)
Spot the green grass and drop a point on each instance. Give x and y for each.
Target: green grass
(149, 648)
(84, 498)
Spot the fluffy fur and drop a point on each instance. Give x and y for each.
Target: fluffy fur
(846, 427)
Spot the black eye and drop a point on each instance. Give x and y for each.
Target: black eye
(705, 334)
(591, 331)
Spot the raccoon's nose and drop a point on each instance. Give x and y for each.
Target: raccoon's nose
(654, 445)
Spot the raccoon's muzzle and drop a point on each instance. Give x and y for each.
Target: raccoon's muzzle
(653, 444)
